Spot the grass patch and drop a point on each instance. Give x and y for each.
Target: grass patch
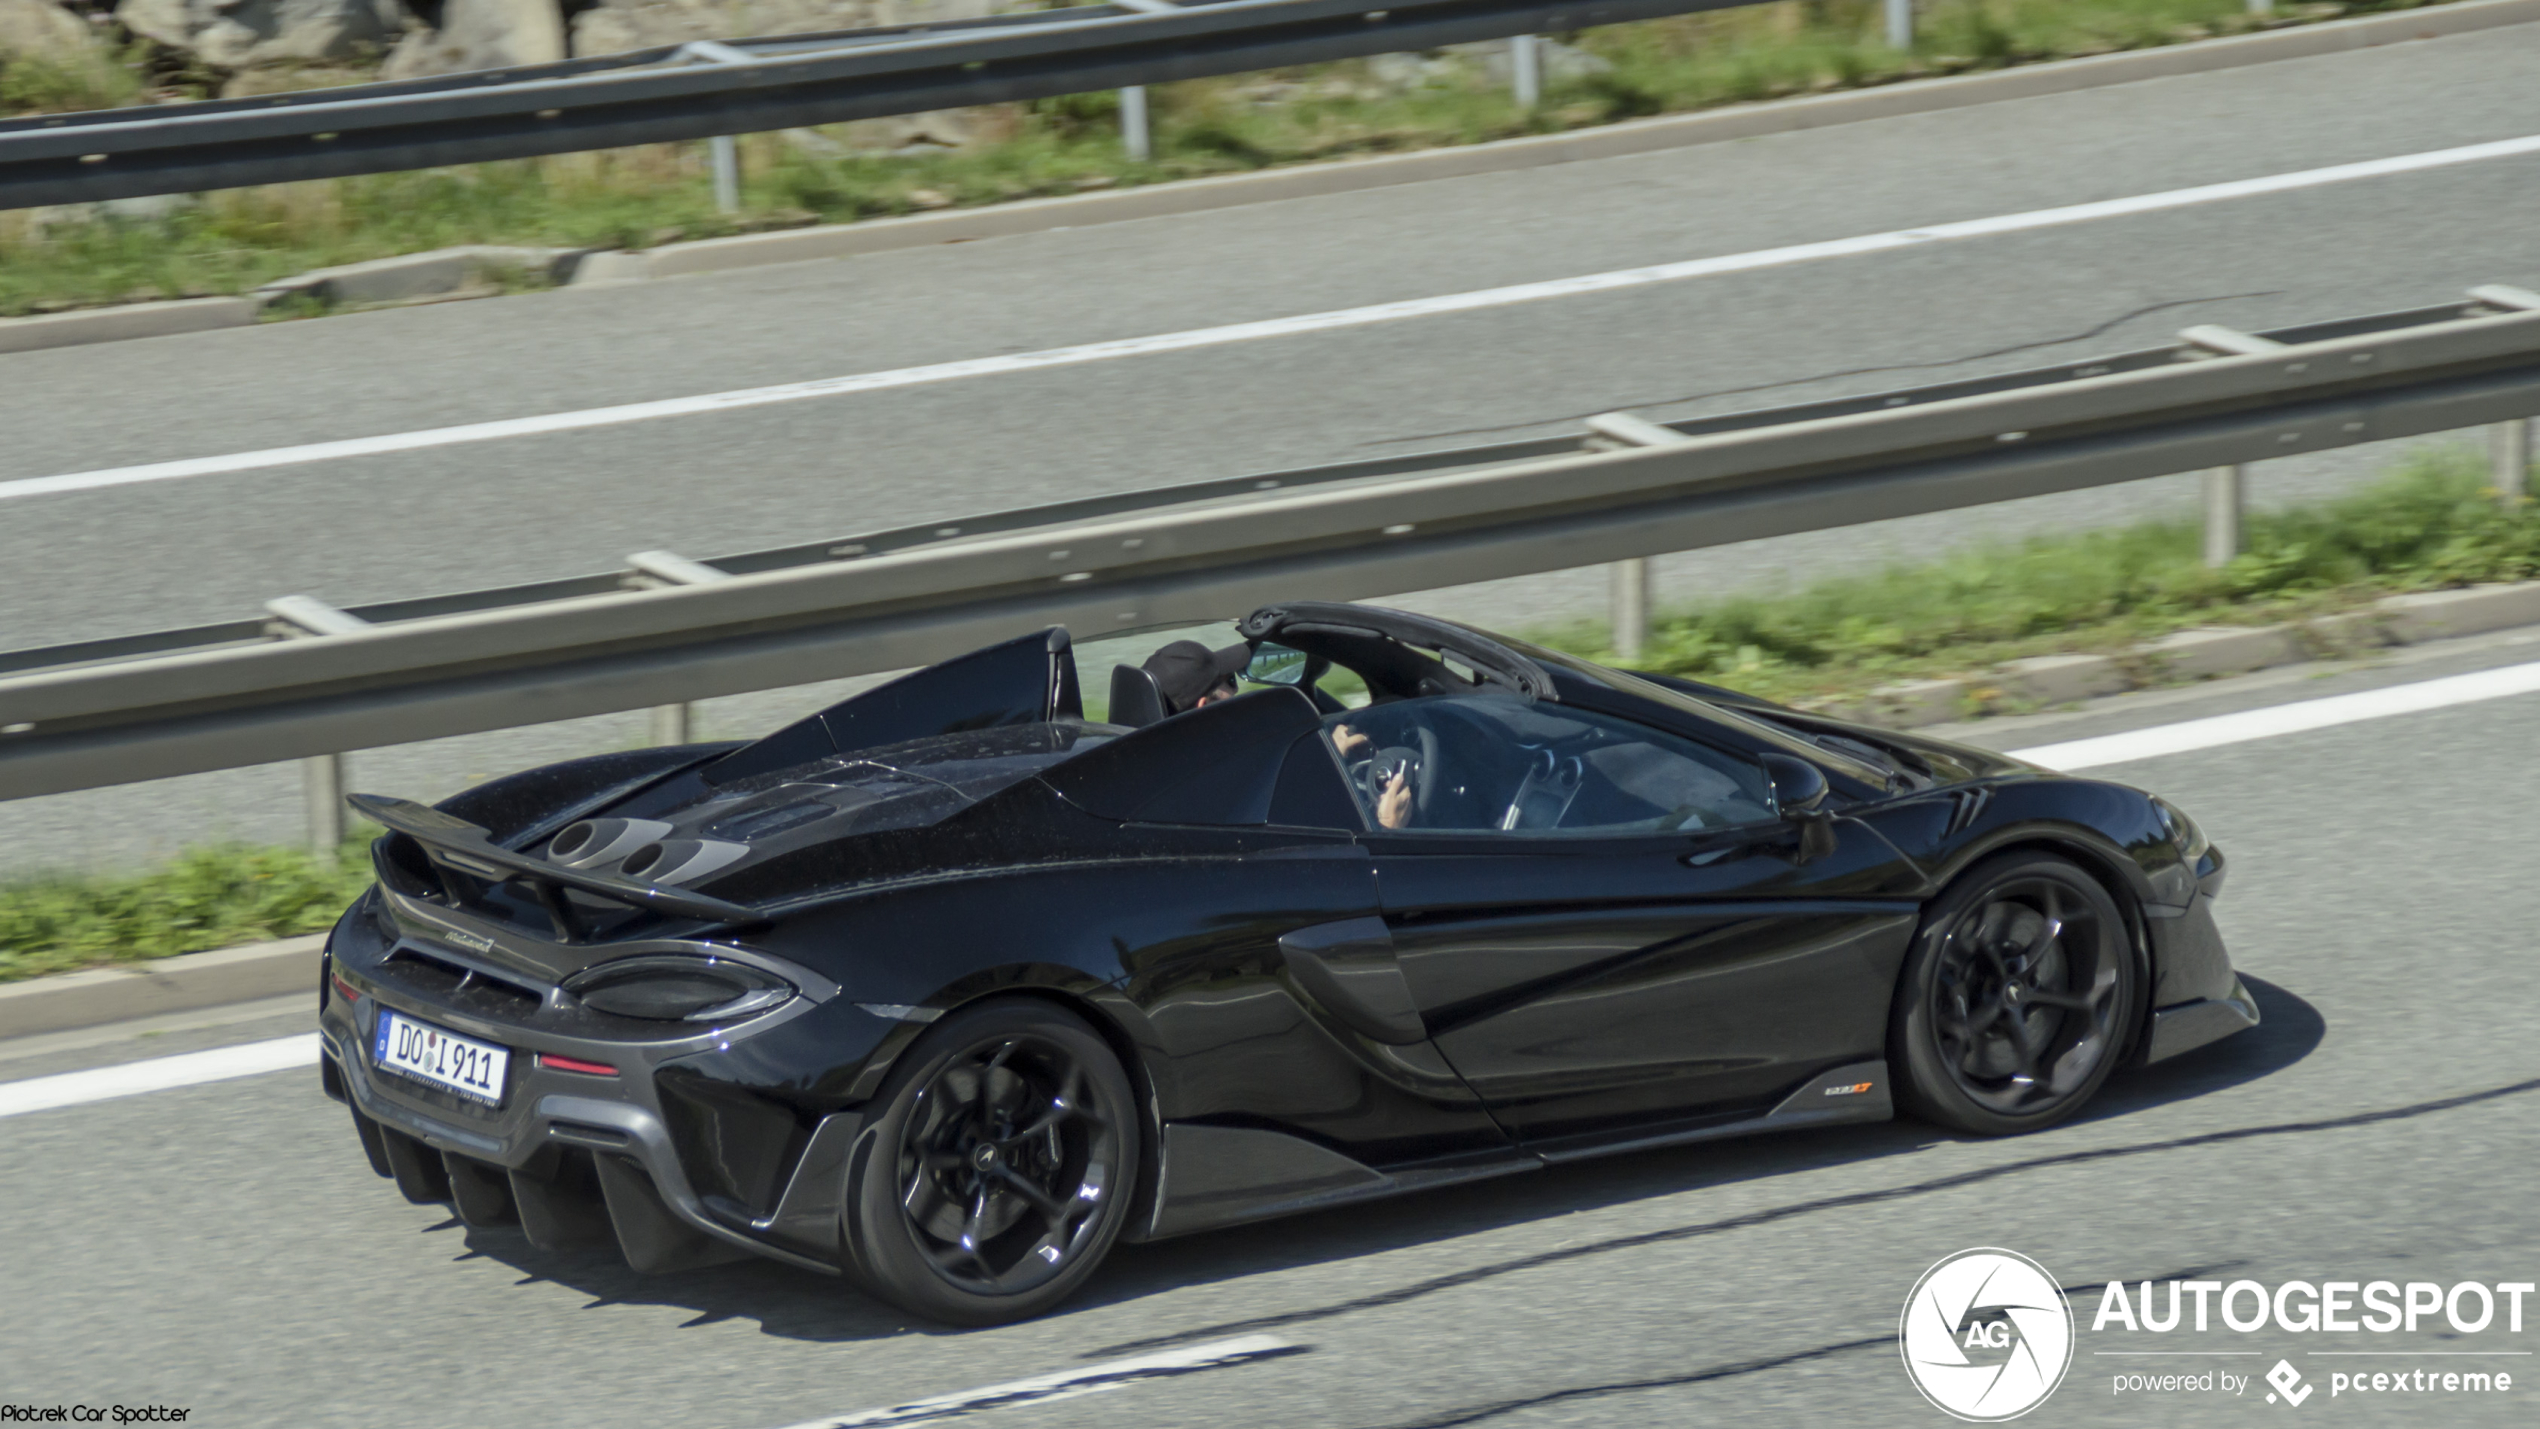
(2434, 523)
(233, 241)
(41, 84)
(216, 896)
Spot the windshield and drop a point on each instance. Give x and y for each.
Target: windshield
(1875, 775)
(1491, 762)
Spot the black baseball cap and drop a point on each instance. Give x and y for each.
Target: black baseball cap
(1186, 670)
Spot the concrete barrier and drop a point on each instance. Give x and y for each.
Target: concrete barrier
(145, 989)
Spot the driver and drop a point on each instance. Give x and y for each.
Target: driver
(1189, 674)
(1393, 801)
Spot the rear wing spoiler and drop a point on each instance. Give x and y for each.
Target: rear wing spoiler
(469, 849)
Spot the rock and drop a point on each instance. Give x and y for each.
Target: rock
(1402, 73)
(235, 34)
(1485, 61)
(935, 131)
(938, 131)
(148, 207)
(43, 29)
(615, 26)
(481, 34)
(929, 198)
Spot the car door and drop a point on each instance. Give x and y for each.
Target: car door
(1595, 975)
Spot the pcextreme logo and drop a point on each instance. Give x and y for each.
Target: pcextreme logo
(1986, 1335)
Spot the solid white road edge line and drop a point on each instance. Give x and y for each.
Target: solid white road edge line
(2294, 718)
(1092, 1379)
(158, 1074)
(1271, 328)
(283, 1053)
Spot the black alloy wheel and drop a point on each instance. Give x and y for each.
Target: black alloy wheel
(2018, 999)
(1001, 1170)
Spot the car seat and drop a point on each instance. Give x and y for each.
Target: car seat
(1135, 700)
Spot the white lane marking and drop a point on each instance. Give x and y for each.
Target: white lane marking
(2294, 718)
(1255, 331)
(158, 1074)
(1092, 1379)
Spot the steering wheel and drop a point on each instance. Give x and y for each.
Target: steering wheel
(1419, 765)
(1550, 785)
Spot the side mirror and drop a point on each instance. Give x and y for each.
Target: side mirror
(1799, 791)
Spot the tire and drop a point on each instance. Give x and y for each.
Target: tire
(2019, 998)
(1000, 1170)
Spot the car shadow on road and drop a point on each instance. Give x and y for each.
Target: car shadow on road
(798, 1304)
(2288, 1030)
(784, 1301)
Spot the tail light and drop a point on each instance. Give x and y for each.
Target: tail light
(679, 989)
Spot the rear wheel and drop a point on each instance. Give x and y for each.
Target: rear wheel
(999, 1173)
(2017, 999)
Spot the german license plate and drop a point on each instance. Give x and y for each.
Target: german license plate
(442, 1059)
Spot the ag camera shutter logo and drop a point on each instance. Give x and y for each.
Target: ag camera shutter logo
(1986, 1335)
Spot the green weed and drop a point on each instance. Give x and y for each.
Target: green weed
(215, 896)
(2434, 523)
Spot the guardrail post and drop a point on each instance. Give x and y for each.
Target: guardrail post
(2225, 501)
(2509, 443)
(726, 153)
(674, 723)
(1631, 608)
(321, 775)
(1525, 70)
(1617, 431)
(1133, 100)
(723, 152)
(1900, 24)
(2509, 452)
(2226, 487)
(322, 781)
(1133, 123)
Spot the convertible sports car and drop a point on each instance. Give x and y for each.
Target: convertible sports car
(948, 988)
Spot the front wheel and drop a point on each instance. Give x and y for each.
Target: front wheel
(2017, 999)
(1000, 1170)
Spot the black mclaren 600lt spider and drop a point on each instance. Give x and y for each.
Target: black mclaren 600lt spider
(948, 988)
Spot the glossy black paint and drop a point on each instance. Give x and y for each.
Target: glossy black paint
(1617, 986)
(1027, 680)
(1310, 1008)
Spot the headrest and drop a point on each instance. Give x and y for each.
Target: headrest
(1135, 701)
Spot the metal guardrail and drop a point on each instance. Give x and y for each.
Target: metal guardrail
(314, 680)
(740, 87)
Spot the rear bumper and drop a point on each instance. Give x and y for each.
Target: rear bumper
(574, 1158)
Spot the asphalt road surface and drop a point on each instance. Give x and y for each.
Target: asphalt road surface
(224, 1247)
(110, 561)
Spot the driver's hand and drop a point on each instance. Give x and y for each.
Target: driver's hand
(1349, 741)
(1393, 807)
